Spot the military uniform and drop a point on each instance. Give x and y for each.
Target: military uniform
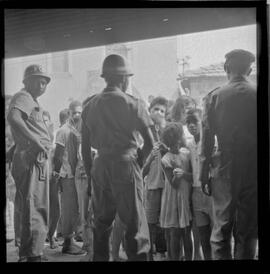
(111, 118)
(30, 171)
(230, 114)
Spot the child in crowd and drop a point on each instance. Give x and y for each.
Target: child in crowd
(178, 114)
(154, 177)
(176, 214)
(201, 203)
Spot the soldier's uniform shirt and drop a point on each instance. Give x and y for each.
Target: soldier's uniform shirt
(230, 114)
(112, 119)
(33, 117)
(30, 171)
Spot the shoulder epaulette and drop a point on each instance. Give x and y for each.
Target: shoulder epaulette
(86, 101)
(210, 93)
(133, 97)
(213, 90)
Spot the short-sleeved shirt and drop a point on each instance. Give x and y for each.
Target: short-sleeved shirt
(33, 117)
(63, 138)
(194, 149)
(112, 118)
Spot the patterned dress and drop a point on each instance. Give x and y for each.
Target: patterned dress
(175, 204)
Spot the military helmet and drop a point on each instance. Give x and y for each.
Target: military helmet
(35, 70)
(115, 64)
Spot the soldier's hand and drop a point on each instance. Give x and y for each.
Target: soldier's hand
(206, 187)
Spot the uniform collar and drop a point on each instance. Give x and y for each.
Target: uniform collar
(109, 89)
(238, 78)
(30, 96)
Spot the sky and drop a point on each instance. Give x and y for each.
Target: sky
(209, 47)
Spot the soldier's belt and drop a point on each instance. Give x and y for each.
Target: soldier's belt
(117, 151)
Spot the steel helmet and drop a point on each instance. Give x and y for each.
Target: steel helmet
(115, 64)
(35, 70)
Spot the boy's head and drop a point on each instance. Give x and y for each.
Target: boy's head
(157, 109)
(173, 135)
(63, 116)
(75, 109)
(48, 122)
(193, 119)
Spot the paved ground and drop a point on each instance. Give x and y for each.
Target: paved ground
(53, 255)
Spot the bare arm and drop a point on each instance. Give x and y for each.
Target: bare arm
(86, 150)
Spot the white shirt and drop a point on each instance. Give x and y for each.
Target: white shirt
(194, 149)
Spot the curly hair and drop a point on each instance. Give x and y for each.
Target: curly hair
(159, 101)
(74, 104)
(179, 107)
(63, 115)
(172, 133)
(191, 115)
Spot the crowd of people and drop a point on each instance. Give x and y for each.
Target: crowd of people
(164, 181)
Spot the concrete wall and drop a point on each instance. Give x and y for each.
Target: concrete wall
(153, 62)
(155, 67)
(64, 86)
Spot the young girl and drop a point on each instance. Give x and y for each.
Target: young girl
(175, 214)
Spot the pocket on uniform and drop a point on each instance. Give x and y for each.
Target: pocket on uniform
(36, 115)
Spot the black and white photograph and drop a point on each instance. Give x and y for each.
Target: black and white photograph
(131, 133)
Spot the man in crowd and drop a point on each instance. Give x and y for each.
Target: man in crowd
(65, 162)
(54, 186)
(230, 114)
(30, 162)
(110, 120)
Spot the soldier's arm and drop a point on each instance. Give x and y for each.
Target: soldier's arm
(207, 139)
(16, 120)
(143, 123)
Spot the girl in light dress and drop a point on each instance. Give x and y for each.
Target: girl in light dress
(175, 214)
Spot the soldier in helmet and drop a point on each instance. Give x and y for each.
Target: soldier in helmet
(110, 121)
(30, 162)
(230, 116)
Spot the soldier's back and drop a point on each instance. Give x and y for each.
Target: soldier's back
(235, 113)
(111, 117)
